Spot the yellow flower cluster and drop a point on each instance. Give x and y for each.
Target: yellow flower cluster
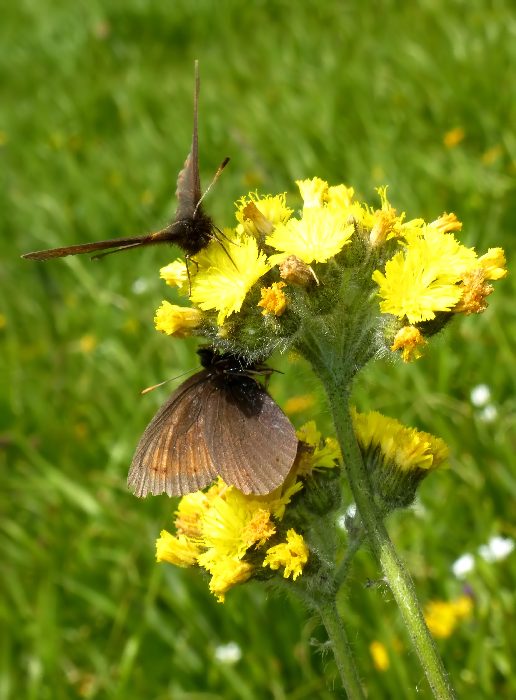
(229, 534)
(442, 617)
(222, 275)
(253, 268)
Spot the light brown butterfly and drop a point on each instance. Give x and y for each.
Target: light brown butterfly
(220, 422)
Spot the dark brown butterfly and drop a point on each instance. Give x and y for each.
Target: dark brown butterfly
(221, 422)
(191, 228)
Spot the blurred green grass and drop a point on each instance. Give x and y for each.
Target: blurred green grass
(95, 124)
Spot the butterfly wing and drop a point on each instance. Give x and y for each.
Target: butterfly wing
(251, 442)
(188, 190)
(115, 243)
(172, 456)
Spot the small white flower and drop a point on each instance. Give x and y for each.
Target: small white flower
(488, 414)
(496, 549)
(480, 395)
(351, 511)
(341, 522)
(140, 285)
(463, 565)
(228, 653)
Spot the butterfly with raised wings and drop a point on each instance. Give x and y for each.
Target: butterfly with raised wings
(220, 422)
(192, 229)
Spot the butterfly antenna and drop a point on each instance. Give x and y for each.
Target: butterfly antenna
(171, 379)
(214, 180)
(115, 250)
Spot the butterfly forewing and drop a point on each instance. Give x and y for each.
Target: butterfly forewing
(188, 191)
(80, 248)
(172, 456)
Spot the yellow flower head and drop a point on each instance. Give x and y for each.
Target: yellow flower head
(423, 278)
(179, 321)
(234, 523)
(317, 237)
(273, 300)
(340, 197)
(257, 216)
(227, 572)
(442, 617)
(175, 274)
(225, 275)
(292, 554)
(380, 656)
(405, 448)
(226, 532)
(453, 137)
(493, 264)
(178, 550)
(313, 191)
(323, 453)
(397, 458)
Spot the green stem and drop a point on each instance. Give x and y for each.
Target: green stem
(341, 650)
(393, 569)
(354, 545)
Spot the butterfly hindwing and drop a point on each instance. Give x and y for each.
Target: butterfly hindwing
(251, 441)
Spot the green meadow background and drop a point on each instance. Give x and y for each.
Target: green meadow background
(95, 123)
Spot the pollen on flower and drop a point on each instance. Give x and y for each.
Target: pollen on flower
(475, 291)
(179, 321)
(189, 514)
(292, 554)
(409, 340)
(273, 299)
(232, 523)
(259, 528)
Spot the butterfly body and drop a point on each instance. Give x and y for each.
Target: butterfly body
(220, 422)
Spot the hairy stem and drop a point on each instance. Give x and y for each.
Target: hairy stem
(395, 573)
(341, 650)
